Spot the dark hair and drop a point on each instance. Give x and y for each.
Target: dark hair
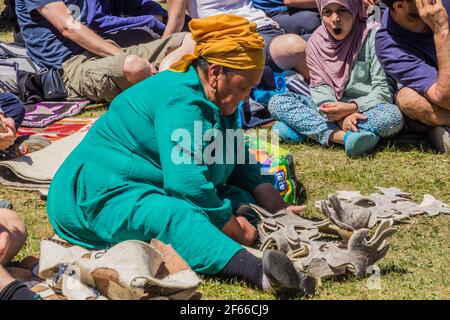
(390, 3)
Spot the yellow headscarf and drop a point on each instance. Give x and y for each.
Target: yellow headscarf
(227, 40)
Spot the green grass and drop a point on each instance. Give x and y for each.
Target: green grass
(417, 266)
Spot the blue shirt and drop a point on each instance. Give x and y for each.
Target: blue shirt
(109, 16)
(45, 44)
(270, 5)
(409, 57)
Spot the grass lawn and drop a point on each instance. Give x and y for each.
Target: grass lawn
(417, 266)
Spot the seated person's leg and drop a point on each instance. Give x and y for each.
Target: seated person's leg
(385, 120)
(419, 108)
(187, 47)
(13, 235)
(102, 79)
(14, 290)
(288, 51)
(301, 22)
(300, 114)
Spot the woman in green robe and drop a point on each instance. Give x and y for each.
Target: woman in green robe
(144, 170)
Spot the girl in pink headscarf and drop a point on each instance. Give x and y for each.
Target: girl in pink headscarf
(351, 97)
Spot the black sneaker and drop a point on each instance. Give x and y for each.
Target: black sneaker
(283, 277)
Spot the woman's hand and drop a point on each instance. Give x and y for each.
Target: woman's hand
(268, 197)
(338, 110)
(240, 230)
(350, 123)
(297, 210)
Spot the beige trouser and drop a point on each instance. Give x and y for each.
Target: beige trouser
(102, 79)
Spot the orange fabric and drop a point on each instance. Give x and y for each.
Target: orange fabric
(227, 40)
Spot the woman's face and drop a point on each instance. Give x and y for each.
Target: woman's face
(234, 86)
(338, 20)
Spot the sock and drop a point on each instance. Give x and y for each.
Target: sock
(245, 266)
(16, 290)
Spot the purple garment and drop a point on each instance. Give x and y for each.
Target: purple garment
(409, 57)
(109, 16)
(331, 61)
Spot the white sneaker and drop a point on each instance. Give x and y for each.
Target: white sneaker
(440, 138)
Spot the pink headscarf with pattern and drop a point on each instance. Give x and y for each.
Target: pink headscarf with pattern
(331, 61)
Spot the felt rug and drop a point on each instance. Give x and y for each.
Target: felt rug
(35, 171)
(59, 129)
(42, 114)
(67, 272)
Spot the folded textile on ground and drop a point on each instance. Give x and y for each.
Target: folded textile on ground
(35, 171)
(42, 114)
(156, 271)
(59, 129)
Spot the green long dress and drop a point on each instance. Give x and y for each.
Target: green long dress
(125, 180)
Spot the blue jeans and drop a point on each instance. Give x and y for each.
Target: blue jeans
(298, 21)
(300, 114)
(12, 108)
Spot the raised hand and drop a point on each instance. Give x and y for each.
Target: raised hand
(433, 13)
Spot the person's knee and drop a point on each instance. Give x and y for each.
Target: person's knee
(136, 68)
(13, 235)
(13, 224)
(393, 120)
(408, 100)
(289, 45)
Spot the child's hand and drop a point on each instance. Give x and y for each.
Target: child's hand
(350, 123)
(338, 110)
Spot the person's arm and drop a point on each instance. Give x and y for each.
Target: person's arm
(404, 65)
(59, 16)
(382, 91)
(322, 94)
(301, 4)
(185, 174)
(177, 16)
(436, 17)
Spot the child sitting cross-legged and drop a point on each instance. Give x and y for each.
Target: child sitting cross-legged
(351, 99)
